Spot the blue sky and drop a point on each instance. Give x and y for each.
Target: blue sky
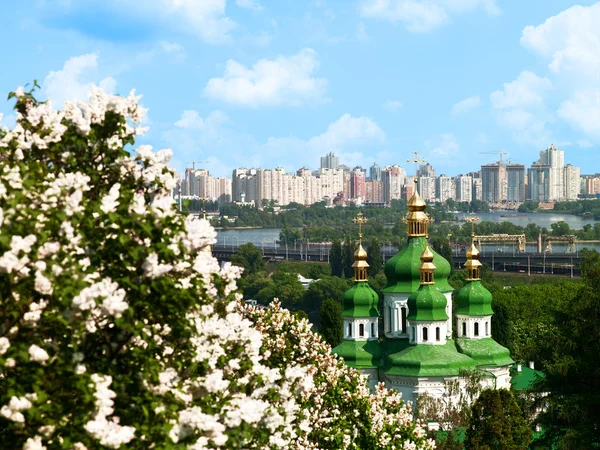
(268, 83)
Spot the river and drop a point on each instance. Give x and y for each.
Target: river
(268, 236)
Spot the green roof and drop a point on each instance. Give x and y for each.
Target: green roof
(359, 354)
(474, 299)
(427, 303)
(402, 269)
(526, 378)
(360, 301)
(485, 352)
(428, 361)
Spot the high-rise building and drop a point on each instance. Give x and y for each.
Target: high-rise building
(477, 190)
(427, 188)
(357, 184)
(538, 180)
(375, 172)
(444, 188)
(515, 183)
(393, 180)
(555, 160)
(426, 170)
(330, 161)
(493, 183)
(374, 191)
(572, 182)
(464, 188)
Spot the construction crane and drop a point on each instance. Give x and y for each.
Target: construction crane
(499, 152)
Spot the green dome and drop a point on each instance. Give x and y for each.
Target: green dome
(360, 301)
(428, 361)
(359, 354)
(485, 352)
(474, 299)
(402, 270)
(427, 303)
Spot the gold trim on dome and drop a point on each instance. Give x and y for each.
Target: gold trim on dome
(360, 255)
(427, 267)
(473, 265)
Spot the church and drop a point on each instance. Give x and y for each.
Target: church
(420, 351)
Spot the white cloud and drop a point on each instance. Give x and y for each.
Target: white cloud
(392, 105)
(212, 139)
(249, 4)
(521, 107)
(423, 16)
(203, 18)
(347, 130)
(466, 105)
(527, 90)
(173, 48)
(582, 112)
(285, 80)
(571, 40)
(190, 119)
(584, 143)
(69, 83)
(447, 147)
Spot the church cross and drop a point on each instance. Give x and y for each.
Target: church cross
(472, 220)
(360, 220)
(416, 159)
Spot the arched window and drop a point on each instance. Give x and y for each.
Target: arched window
(424, 333)
(414, 333)
(476, 329)
(464, 328)
(437, 333)
(372, 329)
(389, 319)
(404, 320)
(361, 330)
(487, 331)
(349, 330)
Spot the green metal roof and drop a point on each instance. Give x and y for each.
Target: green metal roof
(485, 352)
(360, 301)
(428, 361)
(427, 303)
(360, 354)
(525, 378)
(474, 299)
(402, 269)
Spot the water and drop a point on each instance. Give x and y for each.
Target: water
(268, 236)
(540, 219)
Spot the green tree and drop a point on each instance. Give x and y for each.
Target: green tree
(572, 406)
(336, 259)
(331, 322)
(249, 258)
(348, 257)
(560, 228)
(497, 423)
(374, 258)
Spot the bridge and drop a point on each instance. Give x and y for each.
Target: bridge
(515, 261)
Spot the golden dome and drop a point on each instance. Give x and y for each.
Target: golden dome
(416, 203)
(360, 253)
(473, 252)
(427, 256)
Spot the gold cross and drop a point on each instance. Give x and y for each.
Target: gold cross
(472, 220)
(360, 220)
(416, 159)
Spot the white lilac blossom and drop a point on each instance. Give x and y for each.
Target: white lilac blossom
(37, 354)
(125, 295)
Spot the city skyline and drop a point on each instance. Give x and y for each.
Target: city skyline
(247, 82)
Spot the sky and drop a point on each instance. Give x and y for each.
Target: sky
(279, 83)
